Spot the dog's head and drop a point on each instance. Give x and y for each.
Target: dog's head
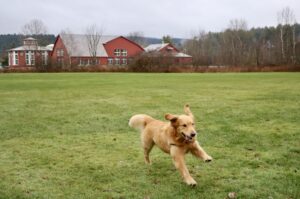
(184, 124)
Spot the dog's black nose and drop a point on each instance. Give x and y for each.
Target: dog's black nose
(193, 134)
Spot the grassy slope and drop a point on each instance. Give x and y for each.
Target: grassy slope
(66, 135)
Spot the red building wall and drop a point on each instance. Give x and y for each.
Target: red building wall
(178, 60)
(58, 45)
(76, 60)
(184, 60)
(132, 48)
(22, 62)
(167, 49)
(22, 58)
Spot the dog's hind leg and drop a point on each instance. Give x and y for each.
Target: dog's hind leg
(148, 144)
(147, 150)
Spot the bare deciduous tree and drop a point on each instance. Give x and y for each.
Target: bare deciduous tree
(294, 42)
(236, 31)
(198, 48)
(34, 27)
(93, 35)
(286, 18)
(238, 24)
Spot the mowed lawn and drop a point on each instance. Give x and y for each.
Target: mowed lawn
(67, 136)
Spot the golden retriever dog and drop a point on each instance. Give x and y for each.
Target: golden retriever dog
(175, 137)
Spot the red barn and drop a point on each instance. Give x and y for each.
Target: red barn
(73, 49)
(30, 54)
(168, 49)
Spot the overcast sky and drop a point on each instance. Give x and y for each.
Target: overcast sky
(155, 18)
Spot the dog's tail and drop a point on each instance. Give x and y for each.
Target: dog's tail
(139, 121)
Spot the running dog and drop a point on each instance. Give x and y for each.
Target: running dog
(176, 137)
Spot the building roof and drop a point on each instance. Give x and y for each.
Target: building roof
(181, 55)
(158, 47)
(155, 47)
(32, 48)
(77, 45)
(30, 38)
(50, 47)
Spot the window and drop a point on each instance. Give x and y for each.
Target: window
(60, 61)
(92, 62)
(59, 52)
(85, 62)
(32, 58)
(124, 52)
(117, 52)
(16, 58)
(117, 61)
(110, 61)
(89, 62)
(124, 61)
(82, 62)
(27, 57)
(44, 58)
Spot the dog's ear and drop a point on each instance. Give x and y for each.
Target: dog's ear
(171, 118)
(188, 111)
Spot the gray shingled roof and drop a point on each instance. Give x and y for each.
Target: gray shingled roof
(155, 47)
(77, 45)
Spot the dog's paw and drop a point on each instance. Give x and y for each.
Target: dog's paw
(208, 159)
(148, 162)
(191, 182)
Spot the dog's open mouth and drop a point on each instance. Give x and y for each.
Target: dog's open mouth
(186, 137)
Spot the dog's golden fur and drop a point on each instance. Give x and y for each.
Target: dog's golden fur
(176, 137)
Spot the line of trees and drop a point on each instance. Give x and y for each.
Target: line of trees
(240, 46)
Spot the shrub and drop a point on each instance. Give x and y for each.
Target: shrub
(151, 62)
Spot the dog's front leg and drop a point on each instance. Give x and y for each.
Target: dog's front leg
(199, 152)
(179, 162)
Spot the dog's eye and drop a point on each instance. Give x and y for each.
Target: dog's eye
(193, 124)
(184, 125)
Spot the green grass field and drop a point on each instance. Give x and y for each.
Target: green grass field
(66, 135)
